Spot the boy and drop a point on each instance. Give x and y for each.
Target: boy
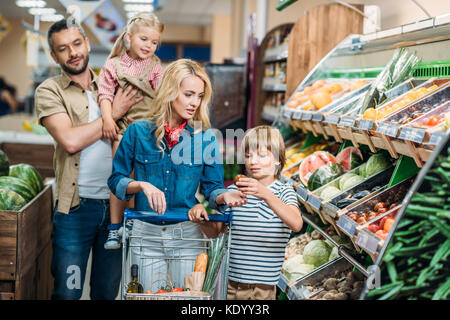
(262, 226)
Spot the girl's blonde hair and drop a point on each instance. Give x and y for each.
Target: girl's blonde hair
(168, 91)
(269, 138)
(141, 19)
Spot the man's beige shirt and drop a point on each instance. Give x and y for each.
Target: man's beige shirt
(61, 94)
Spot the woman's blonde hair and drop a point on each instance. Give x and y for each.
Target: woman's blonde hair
(141, 19)
(269, 138)
(168, 91)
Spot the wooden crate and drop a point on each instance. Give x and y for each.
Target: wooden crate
(39, 156)
(25, 249)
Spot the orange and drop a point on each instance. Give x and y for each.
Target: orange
(308, 90)
(308, 106)
(298, 95)
(370, 113)
(320, 99)
(318, 84)
(292, 104)
(357, 84)
(335, 88)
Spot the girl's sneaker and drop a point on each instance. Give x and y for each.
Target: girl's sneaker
(128, 228)
(113, 241)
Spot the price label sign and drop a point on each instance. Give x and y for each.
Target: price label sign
(297, 115)
(317, 117)
(412, 134)
(436, 137)
(347, 121)
(347, 225)
(388, 129)
(368, 242)
(287, 113)
(306, 116)
(314, 202)
(332, 118)
(365, 124)
(302, 193)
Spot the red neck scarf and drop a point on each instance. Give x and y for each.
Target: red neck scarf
(172, 135)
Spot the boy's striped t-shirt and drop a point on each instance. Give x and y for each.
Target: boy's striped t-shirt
(259, 238)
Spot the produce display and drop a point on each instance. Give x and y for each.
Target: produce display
(345, 285)
(19, 185)
(309, 251)
(322, 92)
(375, 164)
(380, 227)
(313, 162)
(415, 264)
(434, 118)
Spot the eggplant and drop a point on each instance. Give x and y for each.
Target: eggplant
(361, 194)
(376, 188)
(343, 203)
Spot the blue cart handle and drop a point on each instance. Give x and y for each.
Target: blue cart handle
(172, 216)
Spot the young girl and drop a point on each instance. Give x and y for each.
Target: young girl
(132, 62)
(261, 227)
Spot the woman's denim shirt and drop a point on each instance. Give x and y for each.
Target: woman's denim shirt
(195, 160)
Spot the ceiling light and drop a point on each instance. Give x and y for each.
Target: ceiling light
(139, 1)
(31, 3)
(51, 17)
(41, 11)
(138, 7)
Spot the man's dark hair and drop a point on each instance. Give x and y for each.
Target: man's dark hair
(63, 25)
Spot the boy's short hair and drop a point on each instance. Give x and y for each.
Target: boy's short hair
(63, 24)
(270, 138)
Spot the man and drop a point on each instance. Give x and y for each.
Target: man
(67, 106)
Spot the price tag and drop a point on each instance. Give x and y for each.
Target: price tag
(365, 124)
(302, 193)
(332, 118)
(436, 137)
(314, 202)
(287, 113)
(388, 129)
(347, 121)
(297, 115)
(347, 225)
(317, 117)
(306, 116)
(282, 283)
(412, 134)
(368, 242)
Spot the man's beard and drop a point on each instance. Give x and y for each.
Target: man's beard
(74, 72)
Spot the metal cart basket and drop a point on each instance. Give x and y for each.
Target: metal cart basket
(165, 260)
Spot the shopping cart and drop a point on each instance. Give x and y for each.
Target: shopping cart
(165, 260)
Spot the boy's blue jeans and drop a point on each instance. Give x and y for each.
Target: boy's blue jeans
(73, 236)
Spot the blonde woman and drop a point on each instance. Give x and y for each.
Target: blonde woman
(132, 62)
(164, 180)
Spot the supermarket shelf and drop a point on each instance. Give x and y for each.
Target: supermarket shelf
(275, 87)
(343, 252)
(277, 57)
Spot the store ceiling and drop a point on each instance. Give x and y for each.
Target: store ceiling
(181, 12)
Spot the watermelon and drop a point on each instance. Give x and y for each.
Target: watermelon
(4, 164)
(313, 162)
(324, 174)
(29, 174)
(10, 200)
(350, 158)
(17, 185)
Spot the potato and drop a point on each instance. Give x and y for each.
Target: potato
(341, 296)
(359, 285)
(330, 284)
(354, 295)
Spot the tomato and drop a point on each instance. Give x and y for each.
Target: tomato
(353, 216)
(361, 221)
(382, 221)
(393, 206)
(177, 290)
(161, 291)
(382, 210)
(372, 215)
(388, 224)
(239, 176)
(373, 228)
(379, 205)
(381, 234)
(434, 120)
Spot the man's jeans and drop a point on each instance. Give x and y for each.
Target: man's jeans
(73, 236)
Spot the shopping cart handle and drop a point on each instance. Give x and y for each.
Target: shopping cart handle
(172, 216)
